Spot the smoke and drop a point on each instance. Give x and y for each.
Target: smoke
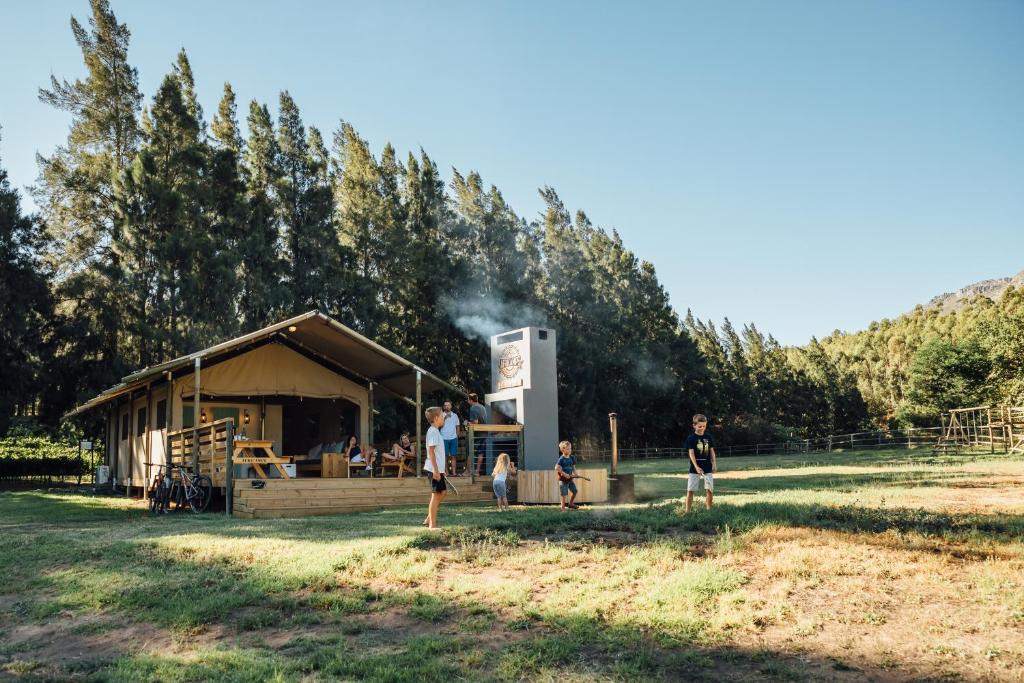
(650, 373)
(483, 316)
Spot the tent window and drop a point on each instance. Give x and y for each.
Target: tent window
(140, 424)
(124, 426)
(161, 414)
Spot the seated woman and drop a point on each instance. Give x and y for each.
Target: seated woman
(402, 449)
(354, 453)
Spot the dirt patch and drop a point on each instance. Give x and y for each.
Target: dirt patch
(72, 639)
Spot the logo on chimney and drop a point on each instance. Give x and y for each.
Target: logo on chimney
(510, 362)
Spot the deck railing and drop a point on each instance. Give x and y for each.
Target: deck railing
(211, 457)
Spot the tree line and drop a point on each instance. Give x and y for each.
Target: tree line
(910, 369)
(163, 229)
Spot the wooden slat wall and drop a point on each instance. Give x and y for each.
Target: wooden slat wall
(312, 496)
(541, 486)
(212, 449)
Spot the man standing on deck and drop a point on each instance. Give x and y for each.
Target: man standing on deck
(478, 416)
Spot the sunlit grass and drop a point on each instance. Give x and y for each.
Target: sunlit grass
(883, 562)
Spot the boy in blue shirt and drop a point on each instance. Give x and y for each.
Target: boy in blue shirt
(565, 466)
(700, 448)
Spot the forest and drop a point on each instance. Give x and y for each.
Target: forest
(163, 228)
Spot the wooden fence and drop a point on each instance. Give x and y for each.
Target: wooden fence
(875, 440)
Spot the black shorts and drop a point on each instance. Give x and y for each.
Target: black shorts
(437, 486)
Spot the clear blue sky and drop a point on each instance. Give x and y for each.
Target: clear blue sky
(803, 165)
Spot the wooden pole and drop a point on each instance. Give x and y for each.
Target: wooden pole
(419, 424)
(613, 420)
(229, 472)
(149, 433)
(169, 410)
(991, 439)
(263, 417)
(369, 425)
(195, 422)
(131, 446)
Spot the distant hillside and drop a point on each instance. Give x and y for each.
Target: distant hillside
(963, 348)
(993, 289)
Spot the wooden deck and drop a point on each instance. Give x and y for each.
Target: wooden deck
(303, 497)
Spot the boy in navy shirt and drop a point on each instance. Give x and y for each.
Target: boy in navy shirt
(564, 469)
(700, 448)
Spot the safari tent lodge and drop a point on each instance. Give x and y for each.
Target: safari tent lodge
(276, 404)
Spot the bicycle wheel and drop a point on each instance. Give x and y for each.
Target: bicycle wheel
(174, 495)
(154, 496)
(199, 493)
(163, 497)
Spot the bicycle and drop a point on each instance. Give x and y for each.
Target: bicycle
(181, 487)
(159, 490)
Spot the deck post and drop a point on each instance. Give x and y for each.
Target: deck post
(169, 410)
(419, 423)
(195, 422)
(149, 437)
(131, 445)
(229, 472)
(369, 427)
(263, 417)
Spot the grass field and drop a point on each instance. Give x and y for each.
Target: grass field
(886, 566)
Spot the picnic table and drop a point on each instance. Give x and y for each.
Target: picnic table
(259, 453)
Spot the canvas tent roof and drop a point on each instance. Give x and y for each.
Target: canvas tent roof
(317, 335)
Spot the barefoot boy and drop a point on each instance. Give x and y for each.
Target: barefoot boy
(701, 449)
(564, 468)
(434, 464)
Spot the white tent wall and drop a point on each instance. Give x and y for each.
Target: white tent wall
(138, 436)
(123, 464)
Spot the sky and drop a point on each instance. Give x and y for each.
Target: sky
(806, 166)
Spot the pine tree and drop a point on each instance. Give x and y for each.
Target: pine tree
(357, 197)
(262, 297)
(75, 193)
(24, 304)
(305, 212)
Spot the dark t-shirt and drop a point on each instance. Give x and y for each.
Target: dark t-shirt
(566, 463)
(478, 413)
(701, 447)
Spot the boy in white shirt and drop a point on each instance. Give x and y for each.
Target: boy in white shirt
(434, 464)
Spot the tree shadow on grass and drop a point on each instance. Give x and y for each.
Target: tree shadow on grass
(334, 632)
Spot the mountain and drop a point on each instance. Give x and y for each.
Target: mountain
(993, 289)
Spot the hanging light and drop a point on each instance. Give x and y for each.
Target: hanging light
(292, 328)
(245, 417)
(202, 416)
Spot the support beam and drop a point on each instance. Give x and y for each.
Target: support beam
(263, 417)
(131, 446)
(419, 424)
(369, 415)
(229, 472)
(169, 410)
(195, 421)
(149, 437)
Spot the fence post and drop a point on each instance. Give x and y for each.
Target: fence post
(229, 472)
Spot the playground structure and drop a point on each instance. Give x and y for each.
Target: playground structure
(998, 428)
